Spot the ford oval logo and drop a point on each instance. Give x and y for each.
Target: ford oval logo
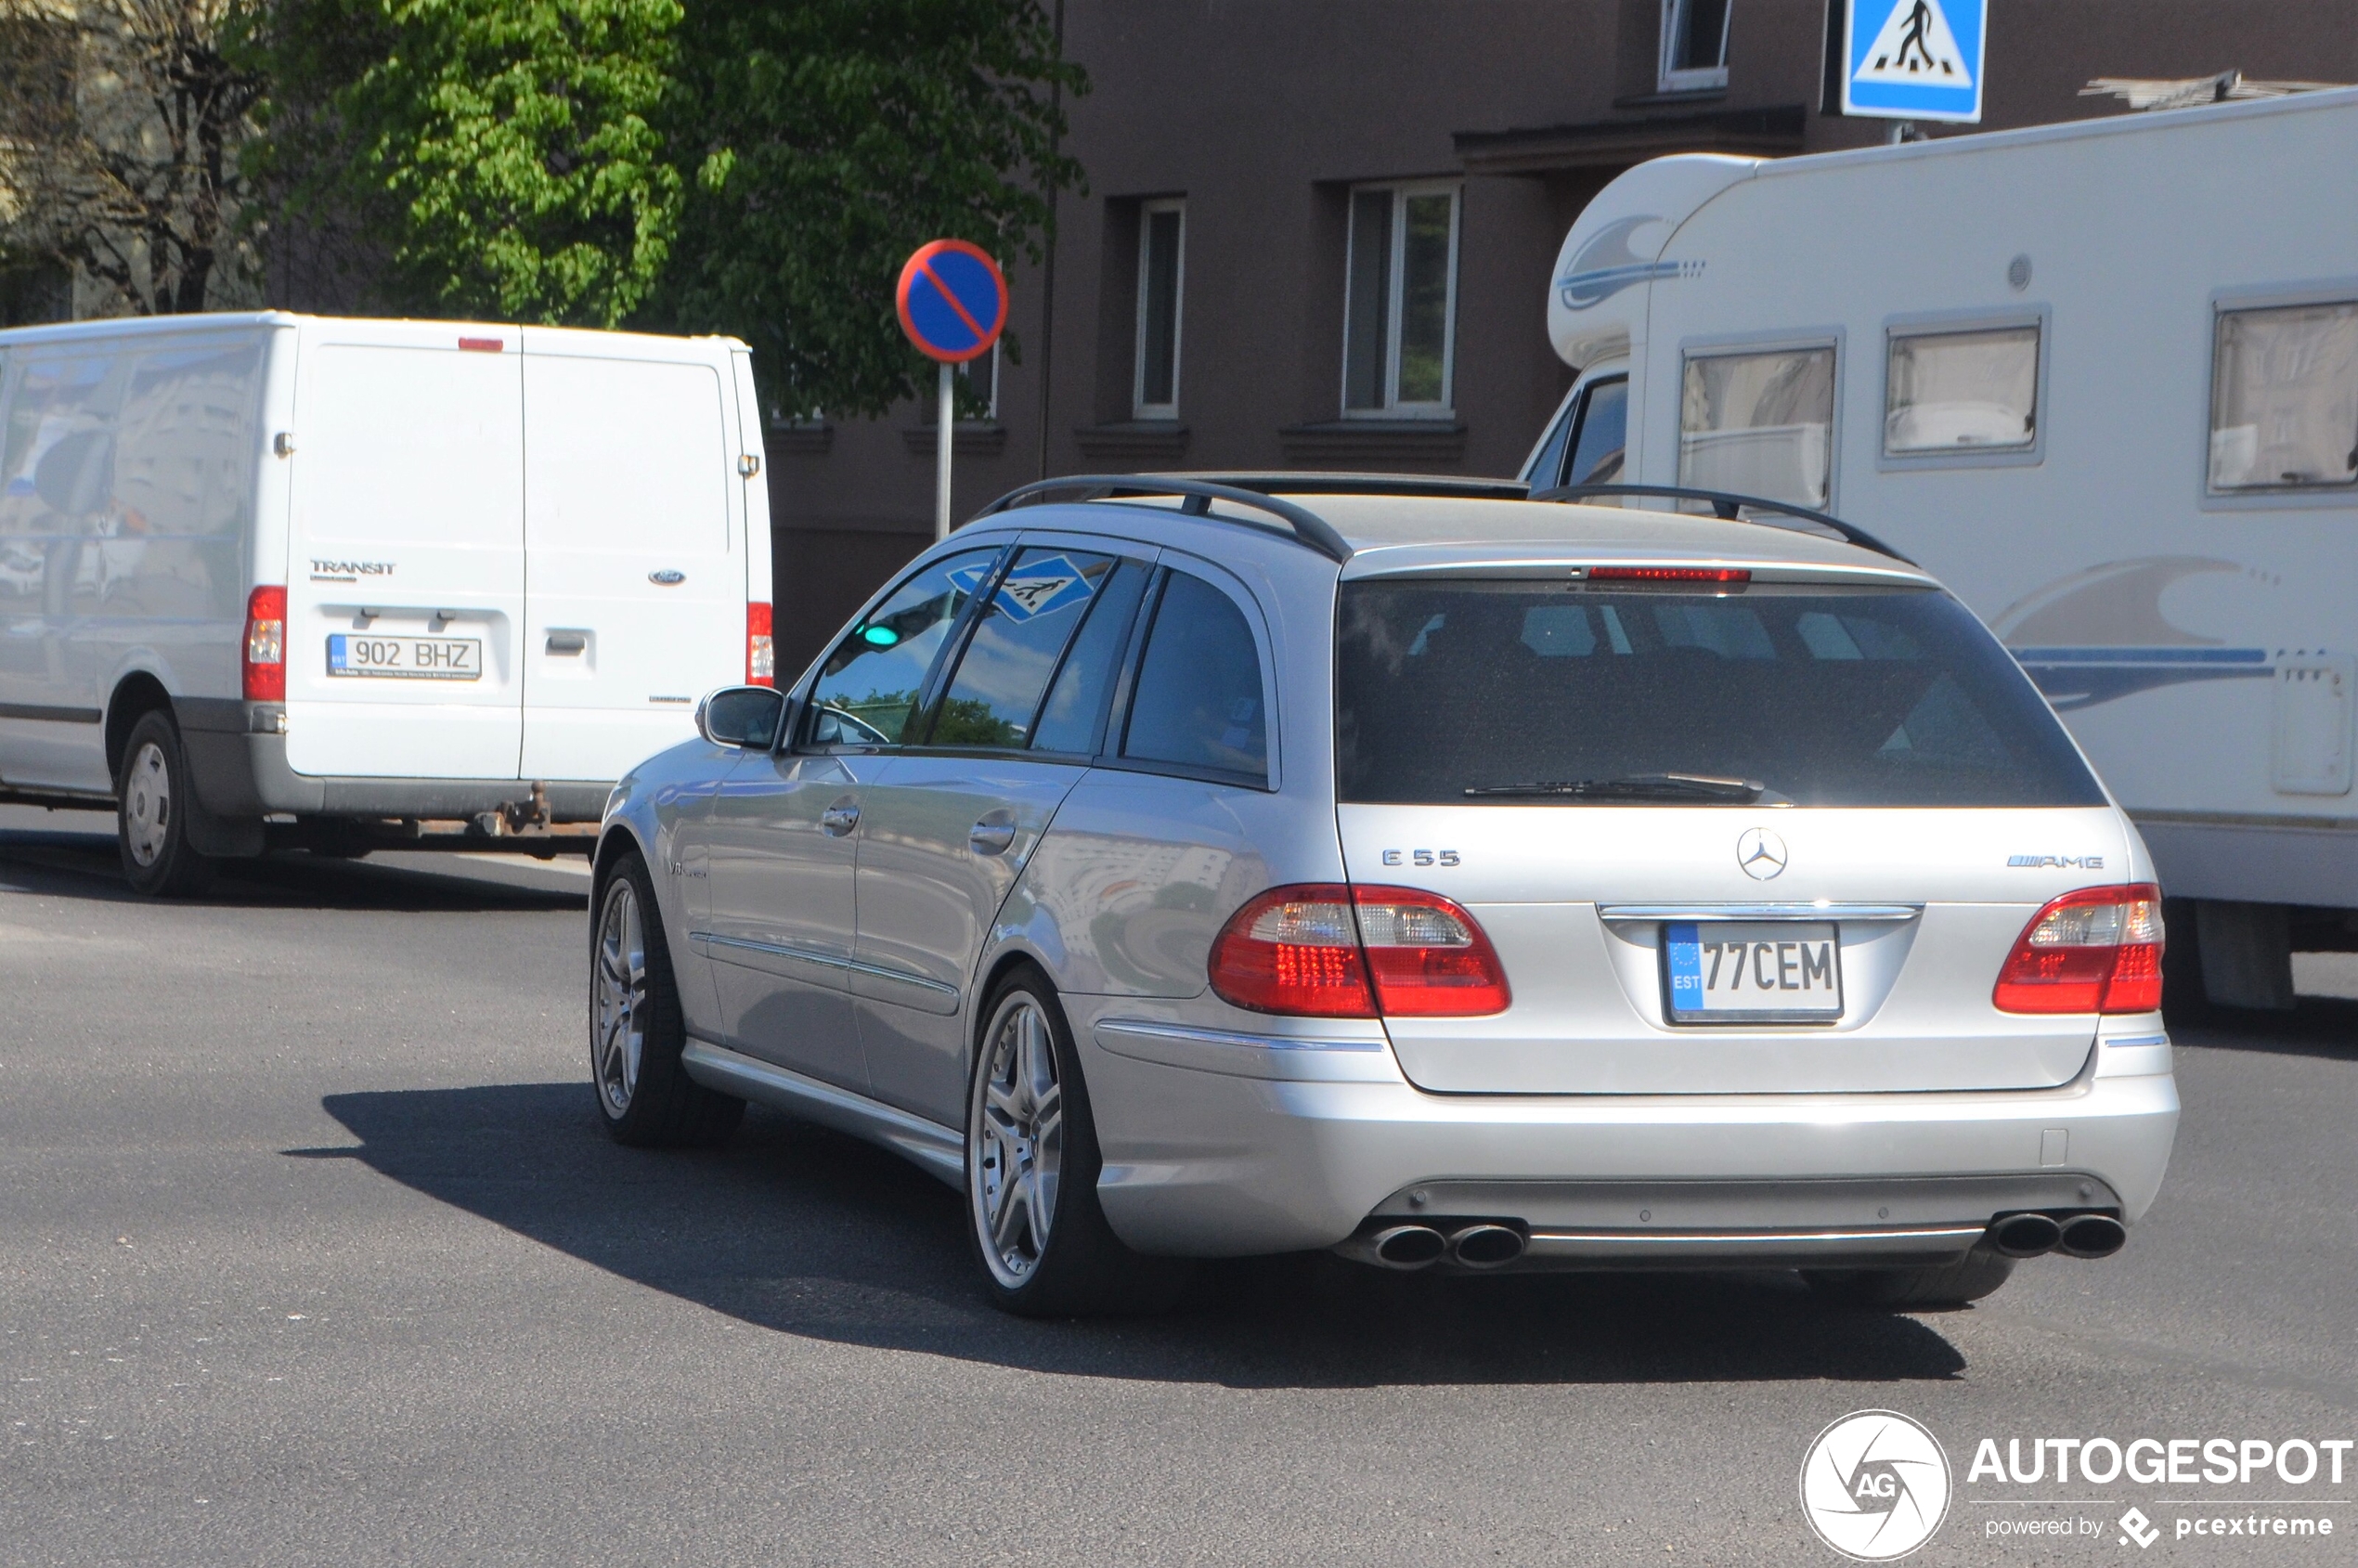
(667, 579)
(1761, 853)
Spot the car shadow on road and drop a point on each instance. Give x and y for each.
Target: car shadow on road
(85, 866)
(798, 1229)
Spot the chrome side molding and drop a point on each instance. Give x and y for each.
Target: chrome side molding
(940, 1151)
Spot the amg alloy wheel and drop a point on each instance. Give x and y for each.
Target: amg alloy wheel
(1032, 1164)
(1017, 1149)
(636, 1030)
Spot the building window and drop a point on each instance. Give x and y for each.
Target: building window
(1162, 276)
(1759, 425)
(1694, 45)
(2284, 398)
(1946, 393)
(1400, 307)
(978, 380)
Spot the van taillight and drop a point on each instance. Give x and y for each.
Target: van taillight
(2095, 950)
(761, 652)
(1322, 950)
(265, 660)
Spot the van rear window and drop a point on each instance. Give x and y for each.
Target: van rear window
(1452, 691)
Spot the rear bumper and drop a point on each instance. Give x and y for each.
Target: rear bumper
(240, 763)
(1224, 1159)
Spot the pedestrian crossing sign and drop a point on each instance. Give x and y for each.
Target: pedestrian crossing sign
(1913, 60)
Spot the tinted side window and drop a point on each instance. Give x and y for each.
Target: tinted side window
(1199, 698)
(1078, 699)
(870, 684)
(1032, 614)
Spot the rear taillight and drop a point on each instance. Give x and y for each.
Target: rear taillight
(1328, 951)
(265, 660)
(761, 652)
(2095, 950)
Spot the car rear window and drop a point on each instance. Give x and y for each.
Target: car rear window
(1823, 696)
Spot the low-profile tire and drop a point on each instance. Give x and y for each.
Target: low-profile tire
(636, 1030)
(1978, 1274)
(1038, 1236)
(153, 796)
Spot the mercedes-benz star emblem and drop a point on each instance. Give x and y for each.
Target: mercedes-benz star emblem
(1761, 853)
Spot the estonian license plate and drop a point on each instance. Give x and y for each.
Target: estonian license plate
(406, 658)
(1739, 972)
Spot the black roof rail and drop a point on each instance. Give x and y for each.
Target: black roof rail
(1728, 506)
(1304, 482)
(1303, 526)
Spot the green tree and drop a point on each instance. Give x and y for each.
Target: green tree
(830, 139)
(492, 157)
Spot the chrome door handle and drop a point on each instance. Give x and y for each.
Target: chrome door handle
(991, 838)
(839, 818)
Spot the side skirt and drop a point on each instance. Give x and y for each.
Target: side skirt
(936, 1150)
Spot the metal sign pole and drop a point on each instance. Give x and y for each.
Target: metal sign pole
(945, 436)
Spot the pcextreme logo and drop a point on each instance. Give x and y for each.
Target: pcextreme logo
(1874, 1485)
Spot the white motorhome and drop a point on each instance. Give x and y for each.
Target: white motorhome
(2103, 379)
(282, 568)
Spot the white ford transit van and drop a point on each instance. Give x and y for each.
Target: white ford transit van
(320, 573)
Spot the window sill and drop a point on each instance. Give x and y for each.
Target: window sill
(1666, 97)
(1133, 440)
(814, 440)
(1360, 440)
(968, 439)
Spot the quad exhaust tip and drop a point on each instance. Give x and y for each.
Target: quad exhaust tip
(1407, 1247)
(2025, 1236)
(2074, 1235)
(1483, 1244)
(2092, 1236)
(1487, 1246)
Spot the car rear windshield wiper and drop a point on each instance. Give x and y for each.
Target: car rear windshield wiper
(1635, 786)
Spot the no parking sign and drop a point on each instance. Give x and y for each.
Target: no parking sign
(952, 302)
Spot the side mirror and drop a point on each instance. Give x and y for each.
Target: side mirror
(742, 716)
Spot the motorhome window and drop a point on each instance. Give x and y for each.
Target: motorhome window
(870, 684)
(2284, 398)
(1694, 45)
(1956, 392)
(1825, 695)
(1603, 435)
(1162, 235)
(1401, 300)
(1761, 425)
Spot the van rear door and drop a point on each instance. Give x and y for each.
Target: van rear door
(405, 590)
(634, 532)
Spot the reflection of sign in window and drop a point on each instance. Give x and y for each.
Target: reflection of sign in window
(2284, 398)
(1759, 425)
(1950, 392)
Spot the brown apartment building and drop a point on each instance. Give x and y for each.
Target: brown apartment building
(1317, 233)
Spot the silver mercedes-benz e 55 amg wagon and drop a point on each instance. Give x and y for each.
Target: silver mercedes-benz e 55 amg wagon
(1184, 869)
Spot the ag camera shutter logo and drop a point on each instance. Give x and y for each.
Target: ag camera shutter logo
(1875, 1485)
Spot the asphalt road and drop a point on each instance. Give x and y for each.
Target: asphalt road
(311, 1251)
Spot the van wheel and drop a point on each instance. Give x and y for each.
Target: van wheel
(1033, 1221)
(151, 827)
(636, 1031)
(1979, 1273)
